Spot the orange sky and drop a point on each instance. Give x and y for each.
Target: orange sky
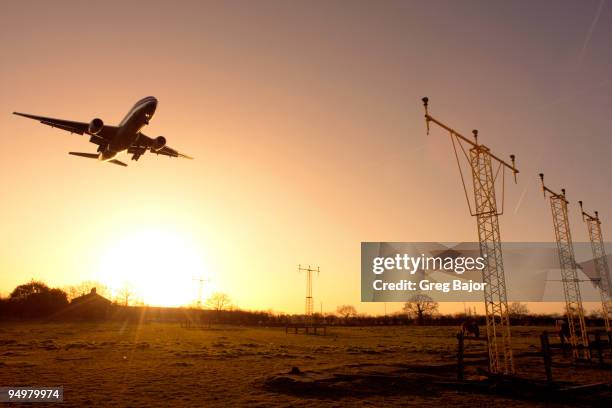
(306, 124)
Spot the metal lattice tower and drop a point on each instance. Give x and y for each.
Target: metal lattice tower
(200, 290)
(569, 275)
(309, 302)
(486, 211)
(600, 261)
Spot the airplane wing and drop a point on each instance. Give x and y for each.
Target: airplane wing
(145, 142)
(168, 151)
(80, 128)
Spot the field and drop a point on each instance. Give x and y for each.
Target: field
(164, 364)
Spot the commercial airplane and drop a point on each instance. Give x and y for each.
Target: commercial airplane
(112, 140)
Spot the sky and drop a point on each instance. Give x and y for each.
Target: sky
(307, 129)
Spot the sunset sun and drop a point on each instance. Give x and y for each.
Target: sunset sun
(156, 267)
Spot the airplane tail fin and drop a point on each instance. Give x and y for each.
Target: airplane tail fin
(88, 155)
(95, 156)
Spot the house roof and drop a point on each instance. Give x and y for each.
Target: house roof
(91, 297)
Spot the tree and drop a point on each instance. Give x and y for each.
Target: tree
(596, 314)
(125, 294)
(36, 299)
(28, 289)
(218, 301)
(71, 292)
(346, 311)
(420, 307)
(517, 310)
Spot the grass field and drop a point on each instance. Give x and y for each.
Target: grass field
(163, 364)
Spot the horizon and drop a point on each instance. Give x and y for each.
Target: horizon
(448, 308)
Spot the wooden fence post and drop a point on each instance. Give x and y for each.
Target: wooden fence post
(562, 338)
(598, 346)
(460, 348)
(546, 355)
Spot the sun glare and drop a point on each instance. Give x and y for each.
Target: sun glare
(156, 267)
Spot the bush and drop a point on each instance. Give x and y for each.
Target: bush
(33, 300)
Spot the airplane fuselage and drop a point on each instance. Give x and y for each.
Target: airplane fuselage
(112, 140)
(129, 128)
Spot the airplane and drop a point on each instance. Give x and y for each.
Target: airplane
(112, 140)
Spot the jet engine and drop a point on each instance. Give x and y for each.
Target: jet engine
(95, 126)
(158, 143)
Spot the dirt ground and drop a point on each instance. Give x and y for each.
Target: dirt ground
(164, 364)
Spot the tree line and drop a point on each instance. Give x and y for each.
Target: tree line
(36, 300)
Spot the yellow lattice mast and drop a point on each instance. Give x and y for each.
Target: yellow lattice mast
(601, 263)
(569, 275)
(484, 178)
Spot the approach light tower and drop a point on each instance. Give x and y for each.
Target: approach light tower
(486, 211)
(200, 290)
(309, 301)
(569, 275)
(600, 261)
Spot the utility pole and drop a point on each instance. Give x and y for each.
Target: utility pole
(569, 275)
(200, 287)
(309, 301)
(481, 162)
(601, 263)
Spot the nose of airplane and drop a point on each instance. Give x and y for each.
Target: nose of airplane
(153, 105)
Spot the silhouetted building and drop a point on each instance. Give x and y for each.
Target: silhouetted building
(90, 306)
